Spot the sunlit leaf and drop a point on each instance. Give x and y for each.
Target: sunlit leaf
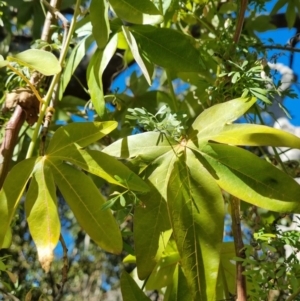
(85, 201)
(12, 192)
(42, 213)
(250, 178)
(42, 61)
(81, 134)
(137, 12)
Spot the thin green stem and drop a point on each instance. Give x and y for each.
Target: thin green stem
(53, 83)
(172, 92)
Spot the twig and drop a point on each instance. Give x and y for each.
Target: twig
(294, 295)
(64, 270)
(286, 48)
(241, 288)
(10, 139)
(240, 21)
(12, 297)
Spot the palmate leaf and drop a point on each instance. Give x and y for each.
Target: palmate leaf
(41, 212)
(250, 178)
(130, 290)
(12, 192)
(104, 166)
(196, 211)
(80, 134)
(86, 201)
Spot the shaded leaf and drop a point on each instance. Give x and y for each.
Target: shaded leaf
(146, 238)
(85, 201)
(130, 290)
(196, 210)
(99, 19)
(137, 12)
(167, 48)
(77, 54)
(179, 289)
(42, 214)
(12, 192)
(81, 134)
(42, 61)
(136, 53)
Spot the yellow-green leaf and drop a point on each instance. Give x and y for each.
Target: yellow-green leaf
(86, 201)
(80, 134)
(11, 193)
(42, 214)
(42, 61)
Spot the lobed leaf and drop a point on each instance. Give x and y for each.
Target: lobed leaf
(85, 201)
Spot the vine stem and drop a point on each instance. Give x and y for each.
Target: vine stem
(294, 295)
(240, 21)
(241, 288)
(54, 82)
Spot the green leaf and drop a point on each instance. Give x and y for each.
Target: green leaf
(162, 273)
(85, 201)
(104, 166)
(148, 146)
(136, 53)
(99, 19)
(227, 273)
(130, 290)
(251, 179)
(96, 67)
(81, 134)
(77, 54)
(291, 14)
(195, 201)
(179, 289)
(212, 120)
(153, 212)
(42, 61)
(167, 48)
(11, 193)
(137, 12)
(94, 82)
(255, 135)
(41, 212)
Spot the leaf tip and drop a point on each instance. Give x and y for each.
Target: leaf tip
(45, 257)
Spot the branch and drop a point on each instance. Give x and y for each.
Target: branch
(240, 21)
(241, 288)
